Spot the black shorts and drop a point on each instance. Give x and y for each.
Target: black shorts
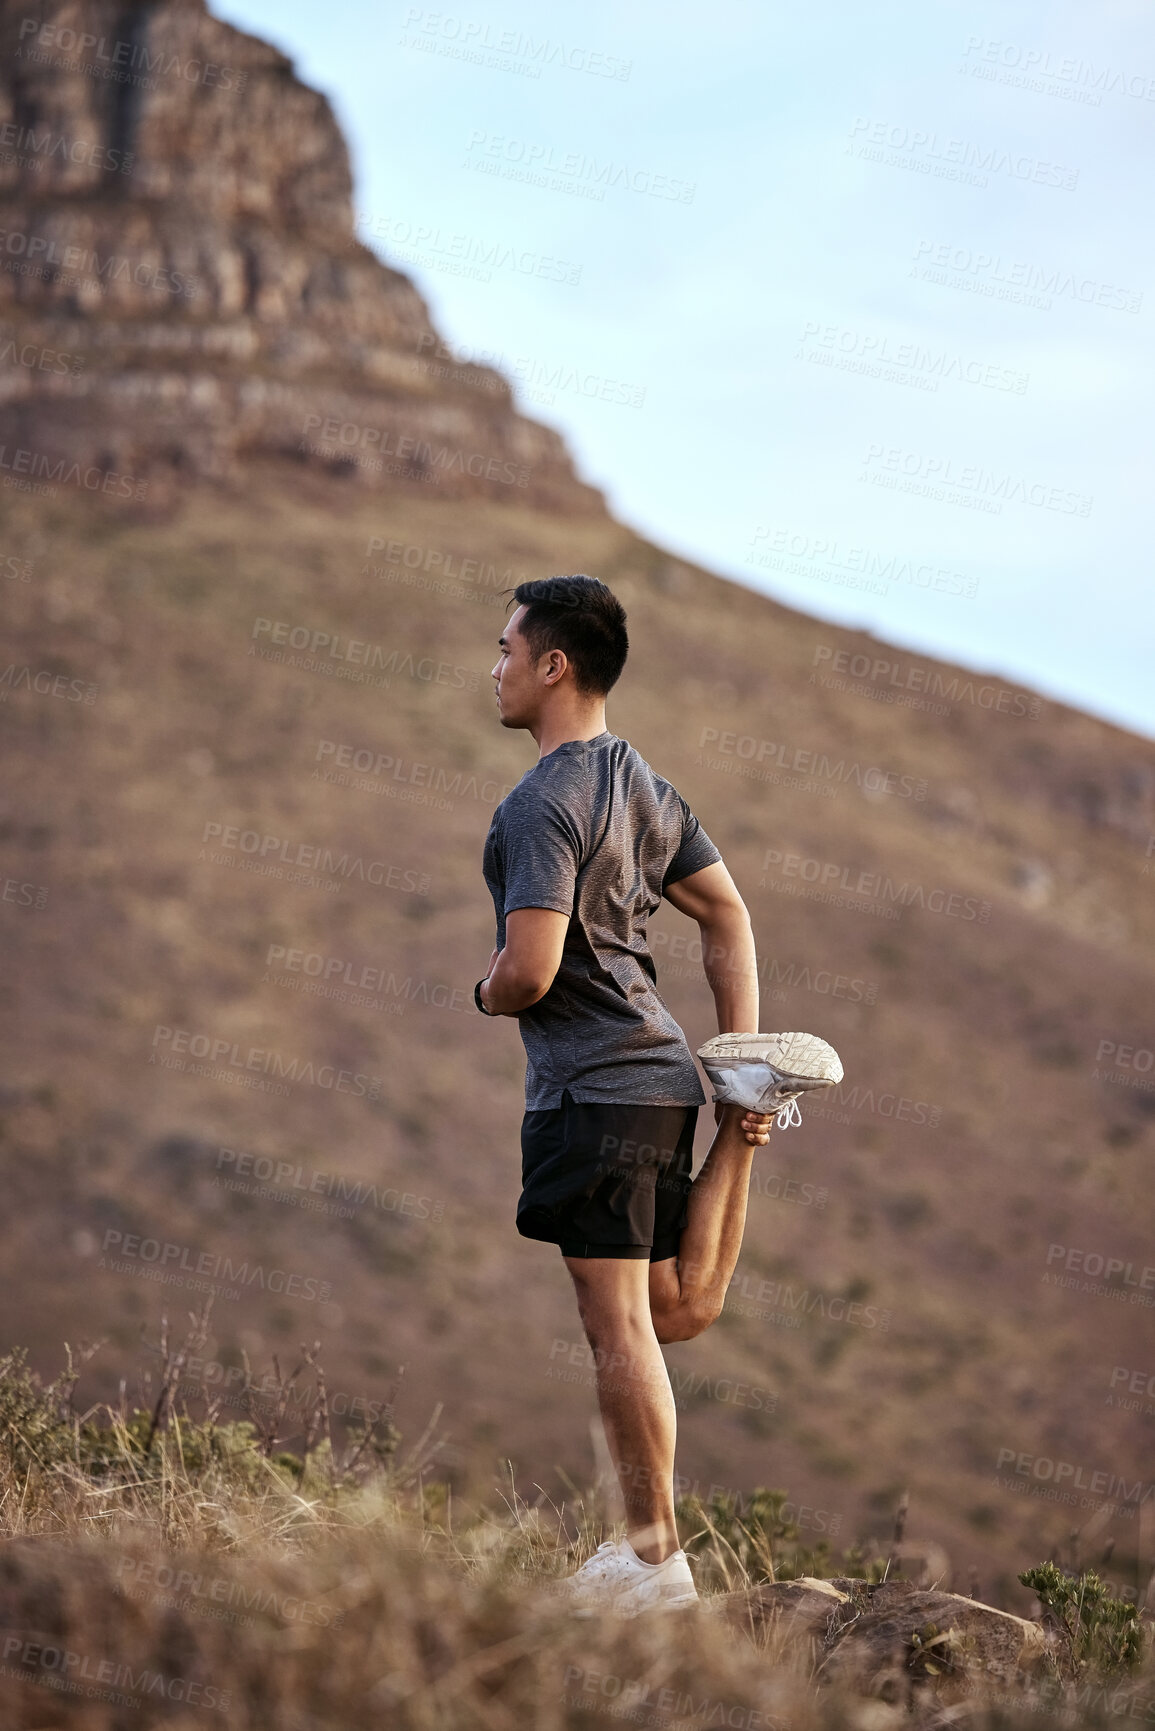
(606, 1180)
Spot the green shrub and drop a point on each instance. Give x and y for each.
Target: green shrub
(37, 1427)
(733, 1542)
(1099, 1631)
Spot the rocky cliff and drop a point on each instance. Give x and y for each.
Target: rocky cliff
(181, 287)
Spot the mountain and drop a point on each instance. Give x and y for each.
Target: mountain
(182, 276)
(252, 758)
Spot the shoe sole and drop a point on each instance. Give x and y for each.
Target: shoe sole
(798, 1057)
(676, 1601)
(765, 1071)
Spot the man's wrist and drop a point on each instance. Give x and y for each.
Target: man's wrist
(477, 997)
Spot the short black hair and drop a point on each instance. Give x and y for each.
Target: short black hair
(581, 616)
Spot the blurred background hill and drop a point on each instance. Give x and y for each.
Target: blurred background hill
(255, 533)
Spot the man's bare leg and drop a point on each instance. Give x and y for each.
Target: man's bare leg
(687, 1292)
(634, 1395)
(630, 1307)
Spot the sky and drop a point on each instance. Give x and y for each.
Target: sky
(850, 304)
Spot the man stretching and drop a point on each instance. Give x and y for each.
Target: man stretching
(577, 859)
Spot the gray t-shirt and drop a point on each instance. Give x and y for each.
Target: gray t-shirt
(592, 831)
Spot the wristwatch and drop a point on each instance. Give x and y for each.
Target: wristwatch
(477, 997)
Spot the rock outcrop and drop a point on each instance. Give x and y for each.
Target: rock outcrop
(180, 283)
(893, 1641)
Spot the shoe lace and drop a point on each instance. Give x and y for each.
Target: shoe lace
(788, 1114)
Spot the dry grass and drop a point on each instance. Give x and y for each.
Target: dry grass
(164, 1568)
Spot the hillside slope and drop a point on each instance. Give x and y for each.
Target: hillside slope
(893, 1320)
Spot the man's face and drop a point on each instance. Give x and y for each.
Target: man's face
(519, 689)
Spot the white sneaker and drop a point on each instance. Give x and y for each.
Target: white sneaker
(616, 1579)
(767, 1072)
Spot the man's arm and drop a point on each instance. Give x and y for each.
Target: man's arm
(524, 970)
(711, 897)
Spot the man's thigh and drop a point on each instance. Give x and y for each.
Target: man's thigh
(664, 1290)
(613, 1295)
